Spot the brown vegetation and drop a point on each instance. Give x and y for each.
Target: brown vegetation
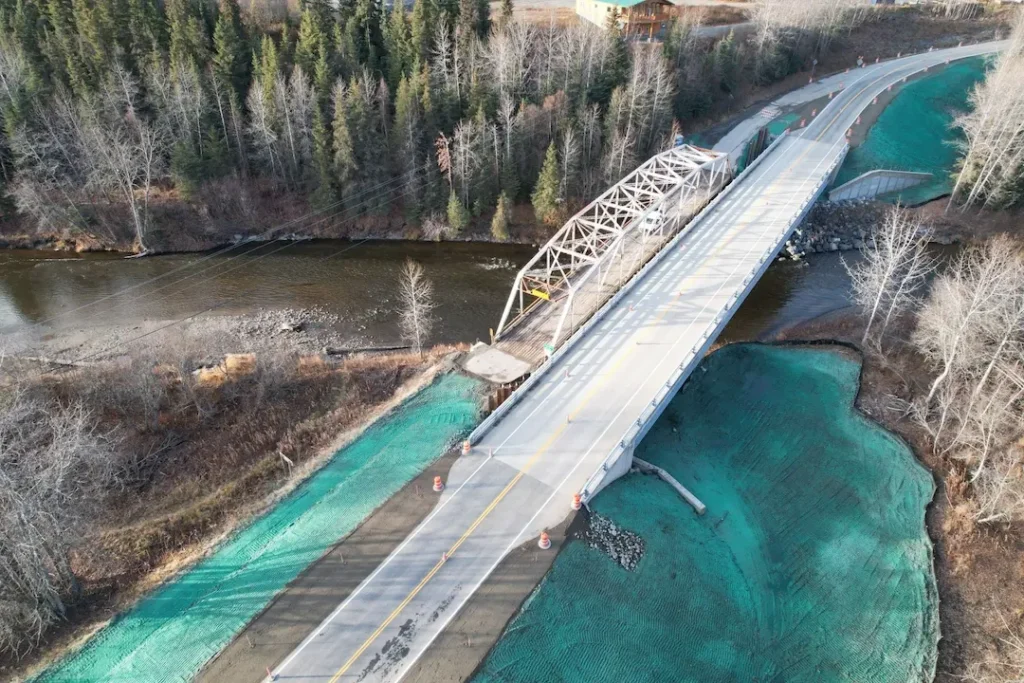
(177, 458)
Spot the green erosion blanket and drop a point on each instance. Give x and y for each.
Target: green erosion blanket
(174, 631)
(811, 564)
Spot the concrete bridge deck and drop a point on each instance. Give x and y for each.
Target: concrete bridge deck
(574, 427)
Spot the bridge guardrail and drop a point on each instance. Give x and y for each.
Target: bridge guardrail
(657, 405)
(599, 315)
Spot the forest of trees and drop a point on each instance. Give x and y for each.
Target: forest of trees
(439, 111)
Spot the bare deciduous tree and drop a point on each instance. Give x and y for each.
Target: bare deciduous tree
(53, 466)
(993, 161)
(889, 275)
(416, 294)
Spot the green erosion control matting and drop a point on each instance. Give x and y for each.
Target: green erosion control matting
(174, 631)
(915, 132)
(811, 564)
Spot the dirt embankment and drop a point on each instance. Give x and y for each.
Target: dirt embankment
(979, 569)
(200, 449)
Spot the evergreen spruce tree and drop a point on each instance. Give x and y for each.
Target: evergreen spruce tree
(483, 18)
(326, 192)
(725, 63)
(616, 70)
(545, 192)
(407, 130)
(458, 215)
(189, 42)
(147, 27)
(266, 67)
(420, 25)
(230, 46)
(344, 154)
(364, 32)
(510, 186)
(323, 76)
(502, 218)
(94, 39)
(286, 50)
(312, 35)
(434, 187)
(398, 45)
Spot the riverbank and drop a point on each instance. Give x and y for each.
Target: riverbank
(198, 457)
(803, 494)
(978, 568)
(850, 225)
(229, 210)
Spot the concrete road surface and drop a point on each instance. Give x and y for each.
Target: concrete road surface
(733, 142)
(520, 478)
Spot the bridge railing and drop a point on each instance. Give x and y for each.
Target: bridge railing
(596, 234)
(542, 371)
(657, 406)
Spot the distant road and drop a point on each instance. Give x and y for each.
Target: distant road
(519, 479)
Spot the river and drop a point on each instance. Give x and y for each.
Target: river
(356, 280)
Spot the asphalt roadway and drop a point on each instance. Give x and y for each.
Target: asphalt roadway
(520, 478)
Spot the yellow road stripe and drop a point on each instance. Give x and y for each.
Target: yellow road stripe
(547, 444)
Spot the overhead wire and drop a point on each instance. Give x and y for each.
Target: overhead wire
(224, 303)
(416, 172)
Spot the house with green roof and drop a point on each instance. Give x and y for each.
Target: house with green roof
(638, 19)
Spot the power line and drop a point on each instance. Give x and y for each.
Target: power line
(232, 298)
(238, 245)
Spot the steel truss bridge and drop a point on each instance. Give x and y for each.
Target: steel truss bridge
(572, 426)
(603, 245)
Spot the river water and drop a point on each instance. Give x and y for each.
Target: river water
(356, 280)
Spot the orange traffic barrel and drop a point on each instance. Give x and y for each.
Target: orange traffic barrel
(545, 542)
(465, 447)
(577, 503)
(438, 484)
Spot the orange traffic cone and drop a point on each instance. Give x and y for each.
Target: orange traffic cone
(438, 485)
(545, 541)
(577, 503)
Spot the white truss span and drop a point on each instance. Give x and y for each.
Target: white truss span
(648, 205)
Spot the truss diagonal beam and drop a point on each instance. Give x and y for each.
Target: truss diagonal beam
(646, 202)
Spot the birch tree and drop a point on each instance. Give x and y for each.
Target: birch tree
(889, 275)
(969, 292)
(416, 294)
(129, 153)
(992, 168)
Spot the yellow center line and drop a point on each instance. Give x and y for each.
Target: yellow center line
(554, 436)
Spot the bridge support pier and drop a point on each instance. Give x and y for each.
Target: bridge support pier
(612, 469)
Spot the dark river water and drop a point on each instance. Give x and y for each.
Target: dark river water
(357, 281)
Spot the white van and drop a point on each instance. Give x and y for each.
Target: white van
(652, 221)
